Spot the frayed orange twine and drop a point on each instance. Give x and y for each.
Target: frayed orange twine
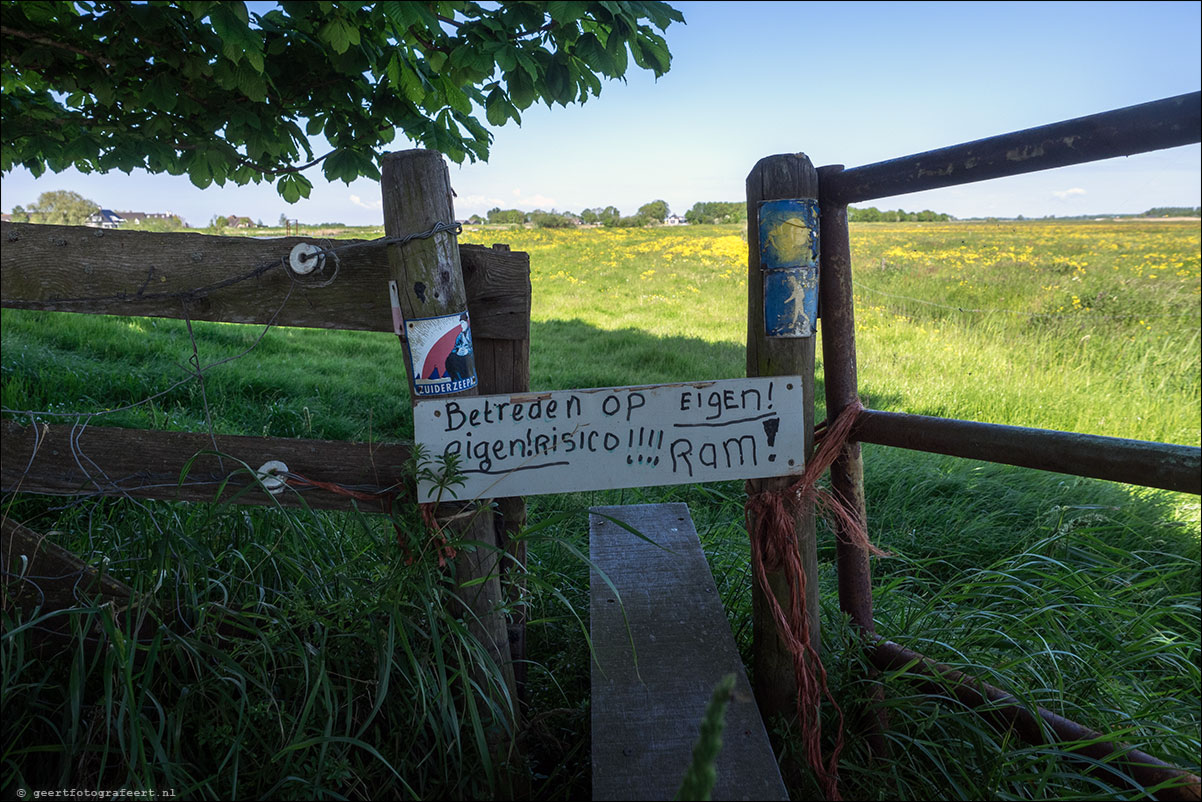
(442, 547)
(774, 548)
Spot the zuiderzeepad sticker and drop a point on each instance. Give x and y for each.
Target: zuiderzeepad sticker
(443, 359)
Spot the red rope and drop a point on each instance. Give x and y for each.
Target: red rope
(774, 549)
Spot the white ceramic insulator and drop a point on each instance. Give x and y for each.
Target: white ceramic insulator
(270, 475)
(305, 258)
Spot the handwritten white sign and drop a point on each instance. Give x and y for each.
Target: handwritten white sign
(569, 440)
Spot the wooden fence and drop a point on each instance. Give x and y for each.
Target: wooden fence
(1151, 126)
(96, 271)
(241, 280)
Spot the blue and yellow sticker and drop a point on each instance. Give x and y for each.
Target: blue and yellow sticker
(789, 262)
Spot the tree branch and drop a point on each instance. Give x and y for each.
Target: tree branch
(42, 40)
(245, 162)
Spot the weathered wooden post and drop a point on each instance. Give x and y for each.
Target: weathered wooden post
(504, 369)
(428, 293)
(780, 342)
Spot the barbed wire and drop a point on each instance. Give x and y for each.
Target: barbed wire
(95, 476)
(328, 252)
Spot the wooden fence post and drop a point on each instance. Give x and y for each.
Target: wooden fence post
(430, 292)
(504, 367)
(783, 176)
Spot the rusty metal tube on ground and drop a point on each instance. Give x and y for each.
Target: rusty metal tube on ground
(1033, 726)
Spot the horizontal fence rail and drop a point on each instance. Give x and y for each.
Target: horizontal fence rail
(178, 275)
(64, 460)
(233, 280)
(1167, 123)
(1139, 462)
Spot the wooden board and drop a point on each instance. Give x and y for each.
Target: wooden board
(612, 437)
(106, 272)
(39, 574)
(646, 718)
(61, 460)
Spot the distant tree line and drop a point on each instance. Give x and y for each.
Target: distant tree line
(652, 213)
(875, 215)
(702, 213)
(1174, 211)
(717, 212)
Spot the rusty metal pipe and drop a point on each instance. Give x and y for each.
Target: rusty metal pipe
(841, 386)
(842, 389)
(1033, 726)
(1151, 126)
(1137, 462)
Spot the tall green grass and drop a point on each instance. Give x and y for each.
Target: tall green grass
(297, 655)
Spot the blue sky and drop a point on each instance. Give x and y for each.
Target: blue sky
(846, 83)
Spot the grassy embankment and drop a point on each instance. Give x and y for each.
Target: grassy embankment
(1085, 594)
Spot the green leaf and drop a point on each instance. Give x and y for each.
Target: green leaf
(560, 86)
(199, 172)
(161, 91)
(251, 83)
(588, 48)
(615, 48)
(499, 109)
(411, 85)
(562, 12)
(521, 89)
(231, 23)
(103, 90)
(401, 14)
(293, 187)
(393, 71)
(340, 33)
(507, 58)
(527, 63)
(455, 97)
(651, 52)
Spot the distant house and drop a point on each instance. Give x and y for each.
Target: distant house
(234, 221)
(138, 218)
(675, 220)
(104, 218)
(6, 217)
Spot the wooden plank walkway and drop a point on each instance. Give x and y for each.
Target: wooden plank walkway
(646, 718)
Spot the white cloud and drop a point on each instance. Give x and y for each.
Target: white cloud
(1065, 194)
(355, 199)
(536, 201)
(478, 200)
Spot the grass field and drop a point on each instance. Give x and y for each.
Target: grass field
(1084, 595)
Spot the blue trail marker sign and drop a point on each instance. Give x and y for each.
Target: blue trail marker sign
(570, 440)
(789, 264)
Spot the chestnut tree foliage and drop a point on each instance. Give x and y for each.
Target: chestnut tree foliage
(220, 93)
